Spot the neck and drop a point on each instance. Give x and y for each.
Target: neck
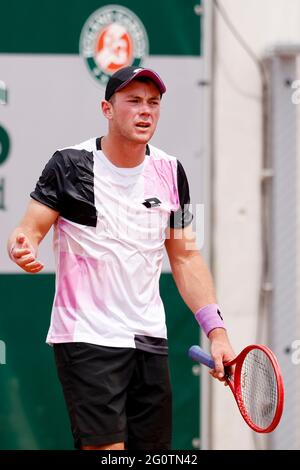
(123, 153)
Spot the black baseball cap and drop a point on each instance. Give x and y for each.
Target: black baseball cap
(124, 76)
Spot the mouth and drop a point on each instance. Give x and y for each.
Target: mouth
(143, 125)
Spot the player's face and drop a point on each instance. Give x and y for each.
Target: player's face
(135, 111)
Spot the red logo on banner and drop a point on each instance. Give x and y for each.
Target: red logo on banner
(114, 48)
(112, 37)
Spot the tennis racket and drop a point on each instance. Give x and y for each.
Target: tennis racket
(256, 384)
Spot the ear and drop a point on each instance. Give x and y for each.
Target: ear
(107, 109)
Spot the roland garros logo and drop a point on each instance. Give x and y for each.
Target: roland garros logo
(112, 37)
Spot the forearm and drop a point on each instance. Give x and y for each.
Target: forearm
(23, 243)
(195, 284)
(194, 281)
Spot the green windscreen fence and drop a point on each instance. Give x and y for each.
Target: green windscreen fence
(32, 408)
(36, 26)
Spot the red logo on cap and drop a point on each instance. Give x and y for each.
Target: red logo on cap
(113, 48)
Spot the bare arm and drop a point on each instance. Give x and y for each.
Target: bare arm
(22, 245)
(190, 272)
(195, 284)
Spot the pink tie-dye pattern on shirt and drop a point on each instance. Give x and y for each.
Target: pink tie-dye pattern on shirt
(69, 279)
(78, 278)
(64, 311)
(161, 181)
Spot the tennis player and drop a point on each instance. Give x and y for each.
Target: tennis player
(115, 202)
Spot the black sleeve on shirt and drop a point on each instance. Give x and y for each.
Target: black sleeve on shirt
(50, 186)
(182, 217)
(67, 186)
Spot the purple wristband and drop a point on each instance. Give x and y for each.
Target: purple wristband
(209, 318)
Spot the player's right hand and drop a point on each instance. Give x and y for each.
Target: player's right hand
(23, 254)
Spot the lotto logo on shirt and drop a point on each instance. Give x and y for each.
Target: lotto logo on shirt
(112, 37)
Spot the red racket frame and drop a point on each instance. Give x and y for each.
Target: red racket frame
(235, 386)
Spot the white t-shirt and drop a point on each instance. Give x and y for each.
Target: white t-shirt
(108, 243)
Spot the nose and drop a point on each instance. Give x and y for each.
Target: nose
(145, 109)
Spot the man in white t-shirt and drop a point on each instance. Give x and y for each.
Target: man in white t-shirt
(115, 203)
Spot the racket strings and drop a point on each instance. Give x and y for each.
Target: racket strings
(258, 397)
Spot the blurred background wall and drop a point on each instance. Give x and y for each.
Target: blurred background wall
(256, 198)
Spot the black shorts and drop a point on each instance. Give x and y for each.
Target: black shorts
(116, 395)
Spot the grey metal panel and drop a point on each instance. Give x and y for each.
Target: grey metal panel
(284, 324)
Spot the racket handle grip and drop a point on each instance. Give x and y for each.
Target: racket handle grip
(197, 354)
